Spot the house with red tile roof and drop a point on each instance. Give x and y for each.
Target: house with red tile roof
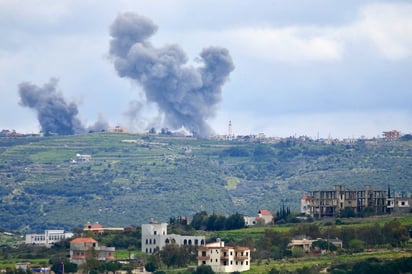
(264, 217)
(82, 248)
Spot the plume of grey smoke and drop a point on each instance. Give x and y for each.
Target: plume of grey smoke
(54, 114)
(187, 95)
(100, 125)
(133, 114)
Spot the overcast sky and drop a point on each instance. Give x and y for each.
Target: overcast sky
(316, 68)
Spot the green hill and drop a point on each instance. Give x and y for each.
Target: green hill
(132, 179)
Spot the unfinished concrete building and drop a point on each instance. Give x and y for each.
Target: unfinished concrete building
(329, 203)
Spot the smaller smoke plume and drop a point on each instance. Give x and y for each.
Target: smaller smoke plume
(100, 125)
(55, 115)
(186, 95)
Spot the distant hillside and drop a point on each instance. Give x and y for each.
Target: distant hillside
(131, 179)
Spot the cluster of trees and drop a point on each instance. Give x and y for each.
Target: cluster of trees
(374, 265)
(172, 255)
(273, 244)
(216, 222)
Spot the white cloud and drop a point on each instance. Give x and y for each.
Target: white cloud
(386, 28)
(291, 44)
(389, 28)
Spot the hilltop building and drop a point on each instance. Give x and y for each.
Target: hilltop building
(223, 258)
(48, 238)
(118, 129)
(391, 135)
(80, 249)
(329, 203)
(155, 237)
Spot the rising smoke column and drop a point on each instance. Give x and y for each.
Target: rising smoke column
(185, 94)
(54, 114)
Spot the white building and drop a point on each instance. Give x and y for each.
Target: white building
(223, 258)
(49, 238)
(305, 205)
(155, 237)
(264, 217)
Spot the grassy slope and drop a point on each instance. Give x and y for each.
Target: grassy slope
(159, 177)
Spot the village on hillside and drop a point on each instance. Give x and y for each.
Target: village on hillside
(222, 257)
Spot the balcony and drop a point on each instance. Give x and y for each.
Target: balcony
(203, 258)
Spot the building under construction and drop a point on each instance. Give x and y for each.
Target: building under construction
(325, 203)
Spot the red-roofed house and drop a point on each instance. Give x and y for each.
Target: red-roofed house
(81, 248)
(264, 217)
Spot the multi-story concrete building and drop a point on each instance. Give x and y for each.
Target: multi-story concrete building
(155, 237)
(223, 258)
(48, 238)
(330, 202)
(82, 248)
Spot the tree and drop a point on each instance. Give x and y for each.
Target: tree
(204, 269)
(324, 245)
(356, 245)
(173, 255)
(109, 267)
(65, 266)
(235, 221)
(395, 233)
(200, 220)
(347, 212)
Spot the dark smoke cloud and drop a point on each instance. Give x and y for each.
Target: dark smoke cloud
(54, 114)
(185, 94)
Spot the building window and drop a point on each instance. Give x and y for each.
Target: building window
(155, 232)
(246, 262)
(203, 262)
(203, 253)
(196, 242)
